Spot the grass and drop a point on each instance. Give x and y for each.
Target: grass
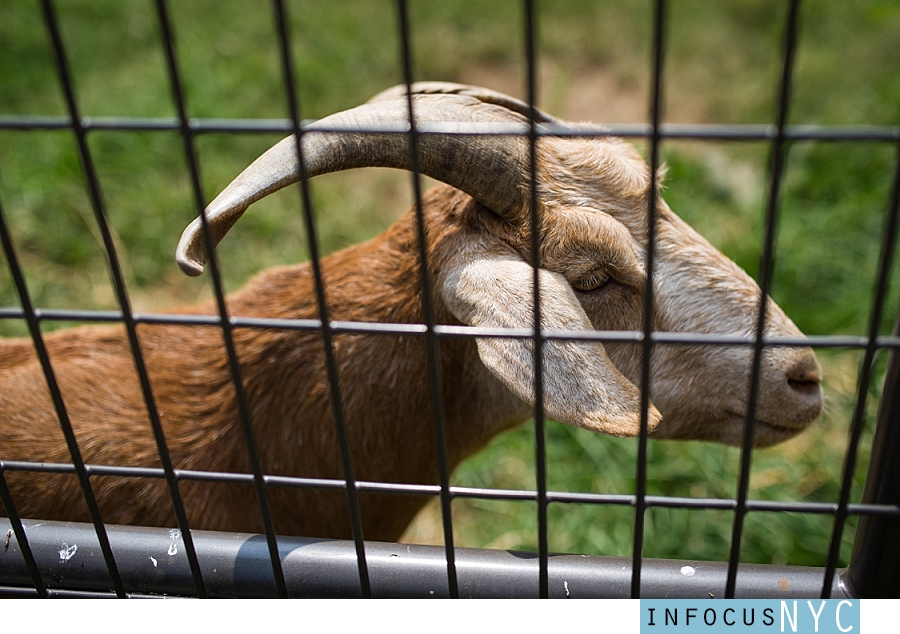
(722, 66)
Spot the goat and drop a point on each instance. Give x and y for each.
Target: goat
(593, 196)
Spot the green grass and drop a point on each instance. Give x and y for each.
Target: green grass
(722, 66)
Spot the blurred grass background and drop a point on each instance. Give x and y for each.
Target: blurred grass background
(722, 66)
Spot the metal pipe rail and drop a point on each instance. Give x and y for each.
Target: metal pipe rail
(152, 561)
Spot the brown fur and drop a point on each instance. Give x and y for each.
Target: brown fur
(283, 372)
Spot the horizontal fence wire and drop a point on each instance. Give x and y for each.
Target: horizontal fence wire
(886, 342)
(364, 486)
(450, 331)
(677, 131)
(778, 135)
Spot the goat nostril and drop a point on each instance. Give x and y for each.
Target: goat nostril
(804, 380)
(804, 386)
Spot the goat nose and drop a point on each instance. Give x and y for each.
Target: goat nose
(804, 376)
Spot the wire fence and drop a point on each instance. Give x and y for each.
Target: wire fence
(366, 568)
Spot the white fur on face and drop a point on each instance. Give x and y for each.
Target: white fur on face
(594, 211)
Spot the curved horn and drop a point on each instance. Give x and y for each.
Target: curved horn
(485, 95)
(488, 168)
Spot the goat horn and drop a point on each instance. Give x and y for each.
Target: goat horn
(484, 95)
(491, 169)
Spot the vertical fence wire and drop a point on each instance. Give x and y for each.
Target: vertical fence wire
(866, 368)
(282, 24)
(873, 571)
(540, 441)
(777, 160)
(640, 506)
(187, 137)
(93, 190)
(428, 311)
(118, 281)
(5, 493)
(22, 539)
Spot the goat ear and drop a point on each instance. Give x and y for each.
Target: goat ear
(581, 385)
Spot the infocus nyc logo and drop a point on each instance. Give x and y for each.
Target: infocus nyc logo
(818, 616)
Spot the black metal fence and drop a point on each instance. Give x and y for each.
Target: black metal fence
(267, 565)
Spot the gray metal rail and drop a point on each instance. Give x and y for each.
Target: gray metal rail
(152, 561)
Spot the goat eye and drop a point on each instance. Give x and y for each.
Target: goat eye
(593, 282)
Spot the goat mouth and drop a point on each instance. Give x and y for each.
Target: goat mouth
(774, 432)
(741, 417)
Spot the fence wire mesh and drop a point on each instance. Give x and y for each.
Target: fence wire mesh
(879, 510)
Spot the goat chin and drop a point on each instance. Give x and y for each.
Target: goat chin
(594, 200)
